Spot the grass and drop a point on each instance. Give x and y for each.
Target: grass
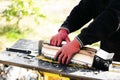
(13, 32)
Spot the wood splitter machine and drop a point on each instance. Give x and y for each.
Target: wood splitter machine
(88, 64)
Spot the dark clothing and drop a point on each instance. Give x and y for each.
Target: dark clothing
(105, 26)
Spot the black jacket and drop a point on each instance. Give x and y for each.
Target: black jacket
(105, 26)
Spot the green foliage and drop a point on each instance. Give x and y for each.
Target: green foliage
(20, 8)
(13, 32)
(16, 11)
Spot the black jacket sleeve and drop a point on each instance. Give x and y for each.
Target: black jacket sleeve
(103, 26)
(80, 15)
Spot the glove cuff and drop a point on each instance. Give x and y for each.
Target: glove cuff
(79, 41)
(64, 31)
(76, 43)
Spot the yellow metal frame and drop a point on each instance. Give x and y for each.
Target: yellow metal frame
(51, 76)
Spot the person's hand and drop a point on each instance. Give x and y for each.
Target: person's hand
(65, 54)
(62, 35)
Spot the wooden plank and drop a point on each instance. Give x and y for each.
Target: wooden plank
(84, 57)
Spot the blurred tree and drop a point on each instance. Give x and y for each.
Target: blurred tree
(19, 8)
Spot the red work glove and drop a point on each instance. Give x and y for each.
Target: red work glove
(62, 35)
(65, 54)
